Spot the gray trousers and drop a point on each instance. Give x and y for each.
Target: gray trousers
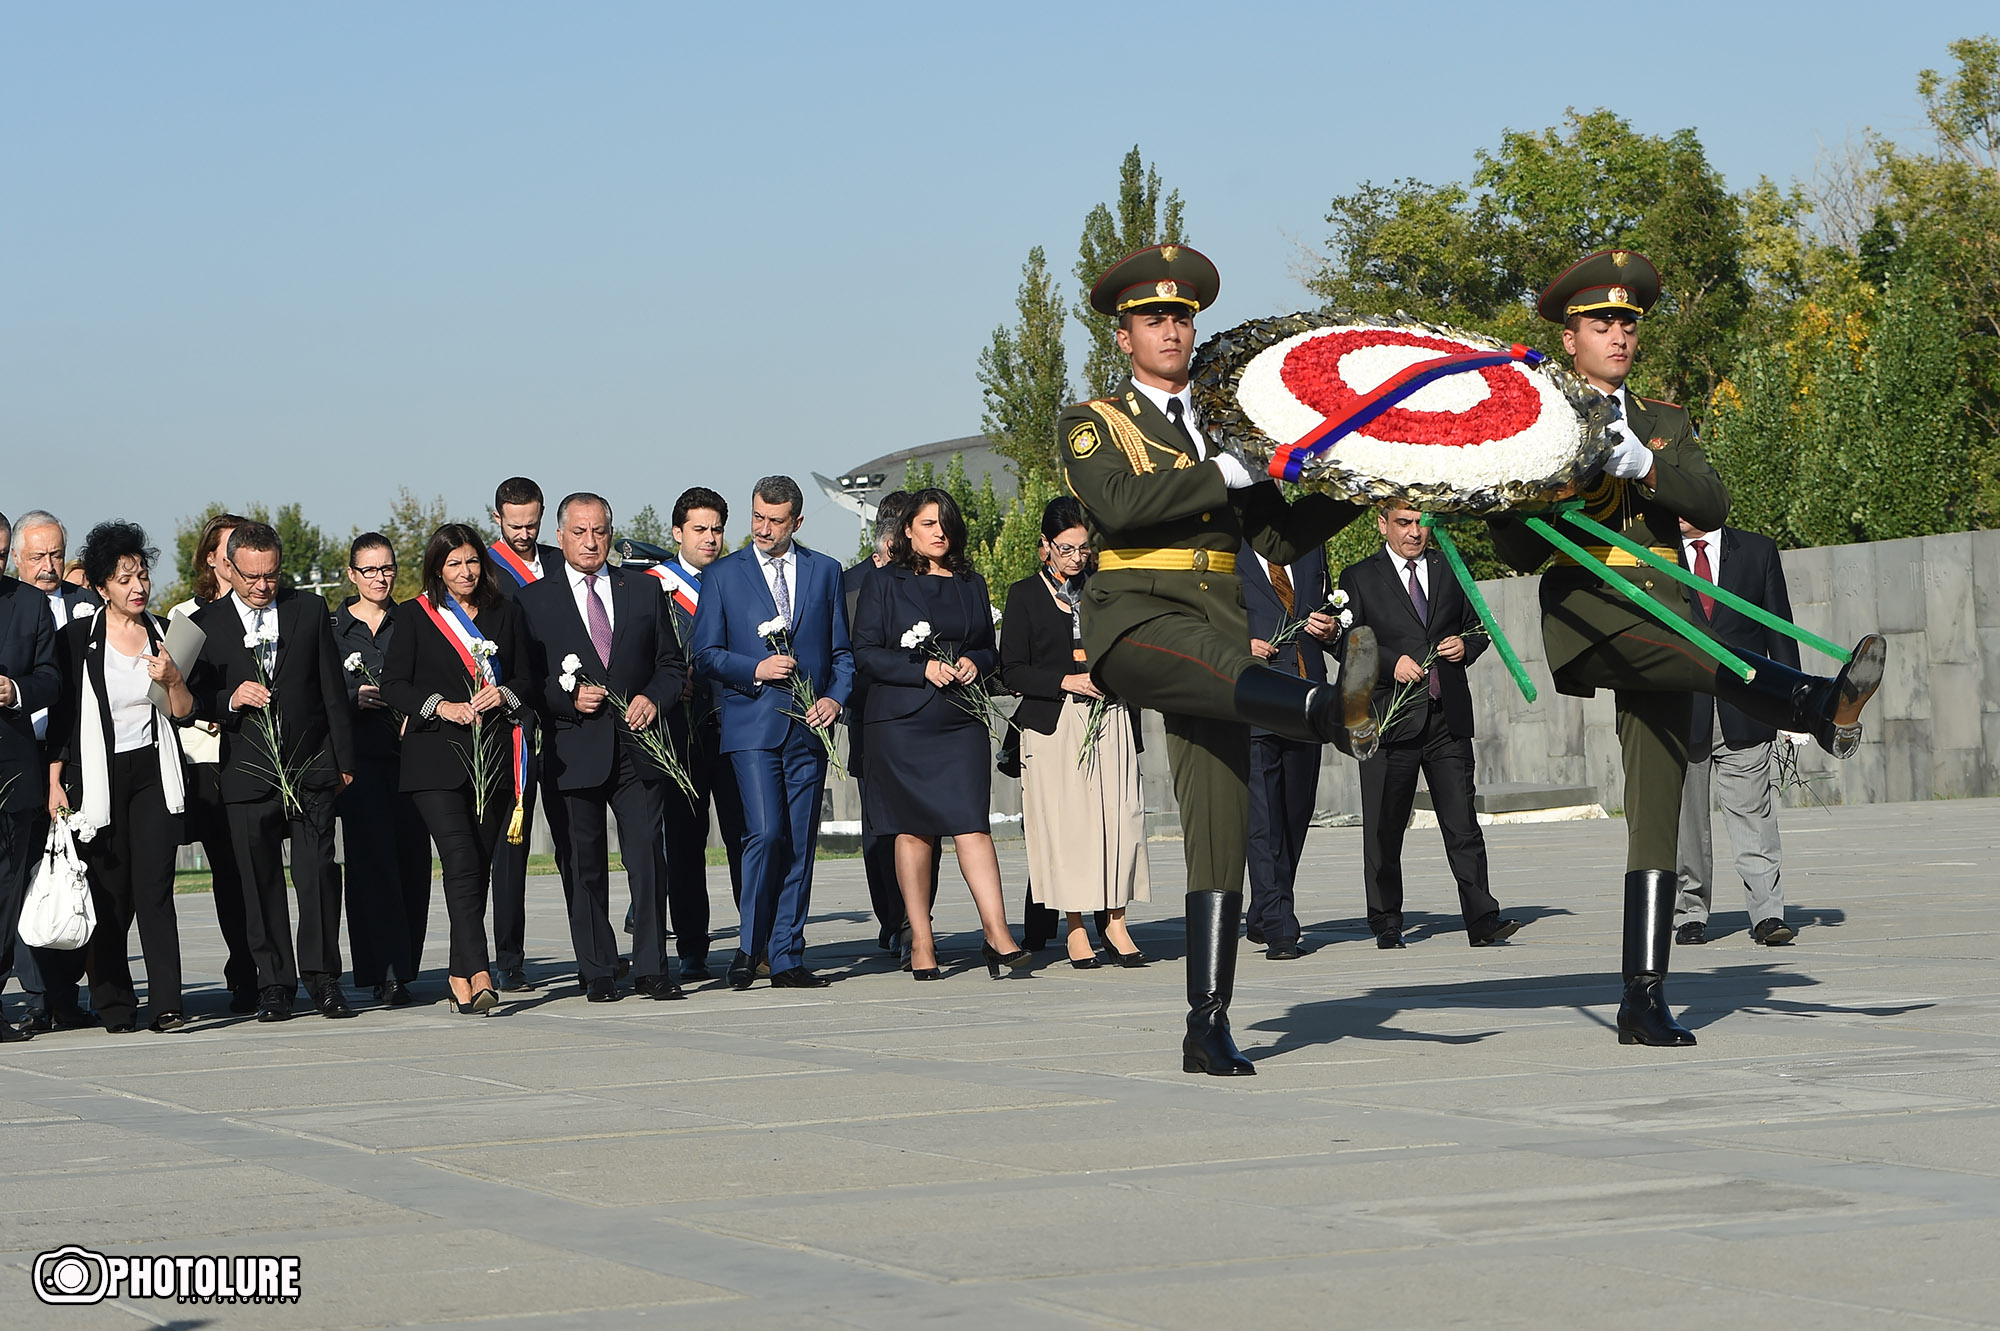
(1741, 781)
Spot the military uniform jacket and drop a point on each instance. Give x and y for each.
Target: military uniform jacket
(1578, 610)
(1142, 488)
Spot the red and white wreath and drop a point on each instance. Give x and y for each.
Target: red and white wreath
(1374, 409)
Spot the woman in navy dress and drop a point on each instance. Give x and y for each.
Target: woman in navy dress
(923, 636)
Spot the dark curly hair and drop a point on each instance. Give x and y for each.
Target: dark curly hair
(111, 544)
(949, 518)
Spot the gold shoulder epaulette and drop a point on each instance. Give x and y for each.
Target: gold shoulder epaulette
(1124, 433)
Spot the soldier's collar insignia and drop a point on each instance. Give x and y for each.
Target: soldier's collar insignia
(1132, 401)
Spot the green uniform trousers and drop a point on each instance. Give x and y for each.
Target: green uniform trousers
(1652, 673)
(1185, 668)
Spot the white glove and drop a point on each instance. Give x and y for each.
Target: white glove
(1234, 474)
(1630, 459)
(1798, 738)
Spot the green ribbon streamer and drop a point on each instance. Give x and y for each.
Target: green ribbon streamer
(1641, 598)
(1479, 606)
(1578, 518)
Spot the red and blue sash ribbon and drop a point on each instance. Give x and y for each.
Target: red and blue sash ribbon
(1288, 460)
(522, 572)
(477, 670)
(681, 584)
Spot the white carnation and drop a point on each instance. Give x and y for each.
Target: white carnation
(1340, 599)
(250, 641)
(775, 624)
(1347, 619)
(572, 663)
(352, 664)
(568, 681)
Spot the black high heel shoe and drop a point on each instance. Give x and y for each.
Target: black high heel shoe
(1129, 960)
(925, 972)
(995, 958)
(1089, 963)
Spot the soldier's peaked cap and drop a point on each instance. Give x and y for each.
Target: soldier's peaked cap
(1608, 284)
(1157, 275)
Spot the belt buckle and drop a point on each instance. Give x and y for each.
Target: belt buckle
(1201, 561)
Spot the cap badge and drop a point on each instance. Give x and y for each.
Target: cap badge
(1170, 252)
(1620, 296)
(1619, 258)
(1167, 289)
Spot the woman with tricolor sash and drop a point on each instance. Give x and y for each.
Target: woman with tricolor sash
(452, 671)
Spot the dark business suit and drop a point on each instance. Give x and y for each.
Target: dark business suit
(1434, 736)
(1738, 770)
(780, 763)
(510, 861)
(310, 698)
(1284, 772)
(599, 766)
(76, 603)
(28, 658)
(878, 850)
(424, 669)
(695, 727)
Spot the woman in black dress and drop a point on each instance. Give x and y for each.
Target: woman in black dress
(459, 650)
(923, 637)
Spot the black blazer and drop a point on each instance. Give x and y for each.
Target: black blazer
(889, 604)
(422, 663)
(306, 686)
(1750, 568)
(1037, 648)
(1380, 599)
(28, 657)
(80, 648)
(579, 751)
(1309, 592)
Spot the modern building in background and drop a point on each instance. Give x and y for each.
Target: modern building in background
(858, 488)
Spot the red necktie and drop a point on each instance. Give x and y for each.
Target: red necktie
(1706, 572)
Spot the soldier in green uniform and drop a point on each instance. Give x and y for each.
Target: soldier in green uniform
(1597, 638)
(1163, 619)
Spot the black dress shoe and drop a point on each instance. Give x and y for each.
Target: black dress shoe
(1773, 932)
(1500, 929)
(243, 1001)
(1131, 960)
(657, 987)
(274, 1003)
(167, 1021)
(603, 989)
(120, 1027)
(393, 992)
(37, 1023)
(513, 980)
(12, 1034)
(1283, 952)
(1691, 934)
(694, 969)
(741, 970)
(798, 977)
(1389, 938)
(331, 1000)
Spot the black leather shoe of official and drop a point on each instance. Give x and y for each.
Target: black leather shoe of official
(11, 1034)
(695, 969)
(603, 989)
(274, 1003)
(1693, 933)
(798, 977)
(741, 971)
(513, 980)
(1389, 938)
(1493, 932)
(1283, 952)
(168, 1021)
(331, 1000)
(658, 987)
(1773, 932)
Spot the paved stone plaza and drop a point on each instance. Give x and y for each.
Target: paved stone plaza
(1436, 1137)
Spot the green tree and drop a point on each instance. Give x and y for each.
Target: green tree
(1015, 551)
(646, 525)
(187, 535)
(409, 526)
(1143, 216)
(1024, 376)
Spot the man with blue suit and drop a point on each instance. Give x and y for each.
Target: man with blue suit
(1284, 772)
(780, 762)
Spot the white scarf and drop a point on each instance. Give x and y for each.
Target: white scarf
(96, 754)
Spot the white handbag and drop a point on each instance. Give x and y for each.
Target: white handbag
(58, 913)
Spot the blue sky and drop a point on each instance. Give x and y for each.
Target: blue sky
(275, 252)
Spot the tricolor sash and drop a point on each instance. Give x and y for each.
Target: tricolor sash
(458, 629)
(520, 569)
(684, 587)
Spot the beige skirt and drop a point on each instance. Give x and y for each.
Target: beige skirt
(1085, 826)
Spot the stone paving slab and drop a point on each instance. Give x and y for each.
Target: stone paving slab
(1439, 1136)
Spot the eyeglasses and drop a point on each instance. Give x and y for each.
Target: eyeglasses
(261, 579)
(377, 571)
(1066, 551)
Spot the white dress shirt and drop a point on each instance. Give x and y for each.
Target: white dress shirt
(580, 589)
(1159, 397)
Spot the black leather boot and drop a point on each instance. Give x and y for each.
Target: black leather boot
(1649, 933)
(1212, 919)
(1299, 709)
(1827, 709)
